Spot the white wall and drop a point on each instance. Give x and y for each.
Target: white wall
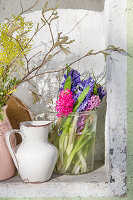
(116, 115)
(7, 7)
(99, 27)
(87, 28)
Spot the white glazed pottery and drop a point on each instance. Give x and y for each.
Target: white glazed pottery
(35, 157)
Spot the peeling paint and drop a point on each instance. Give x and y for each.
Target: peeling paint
(116, 112)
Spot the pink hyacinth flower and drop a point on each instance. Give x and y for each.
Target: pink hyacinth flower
(64, 105)
(94, 102)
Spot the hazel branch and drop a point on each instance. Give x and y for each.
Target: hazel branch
(57, 46)
(34, 56)
(104, 52)
(49, 25)
(21, 6)
(22, 49)
(29, 9)
(90, 53)
(26, 45)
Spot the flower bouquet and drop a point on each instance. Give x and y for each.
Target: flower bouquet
(74, 132)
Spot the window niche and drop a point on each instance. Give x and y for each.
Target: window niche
(93, 24)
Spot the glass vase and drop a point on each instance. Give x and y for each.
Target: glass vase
(74, 136)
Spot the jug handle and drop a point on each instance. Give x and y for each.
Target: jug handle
(10, 147)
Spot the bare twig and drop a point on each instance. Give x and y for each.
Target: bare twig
(78, 59)
(21, 6)
(104, 52)
(34, 56)
(51, 33)
(21, 50)
(90, 53)
(94, 76)
(26, 45)
(47, 72)
(102, 78)
(29, 9)
(60, 43)
(43, 61)
(48, 23)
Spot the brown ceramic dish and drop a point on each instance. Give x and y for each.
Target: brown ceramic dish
(17, 112)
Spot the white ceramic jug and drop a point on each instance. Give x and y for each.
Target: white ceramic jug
(35, 157)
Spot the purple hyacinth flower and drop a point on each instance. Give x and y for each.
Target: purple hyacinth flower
(60, 132)
(101, 92)
(75, 80)
(63, 83)
(77, 87)
(81, 123)
(89, 82)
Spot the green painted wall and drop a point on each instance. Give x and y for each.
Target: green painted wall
(68, 198)
(129, 117)
(130, 99)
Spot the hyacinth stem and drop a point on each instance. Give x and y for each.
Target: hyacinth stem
(83, 162)
(74, 151)
(71, 135)
(55, 130)
(77, 167)
(78, 164)
(63, 139)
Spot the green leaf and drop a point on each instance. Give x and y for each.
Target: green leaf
(81, 98)
(1, 113)
(68, 83)
(68, 69)
(95, 90)
(77, 145)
